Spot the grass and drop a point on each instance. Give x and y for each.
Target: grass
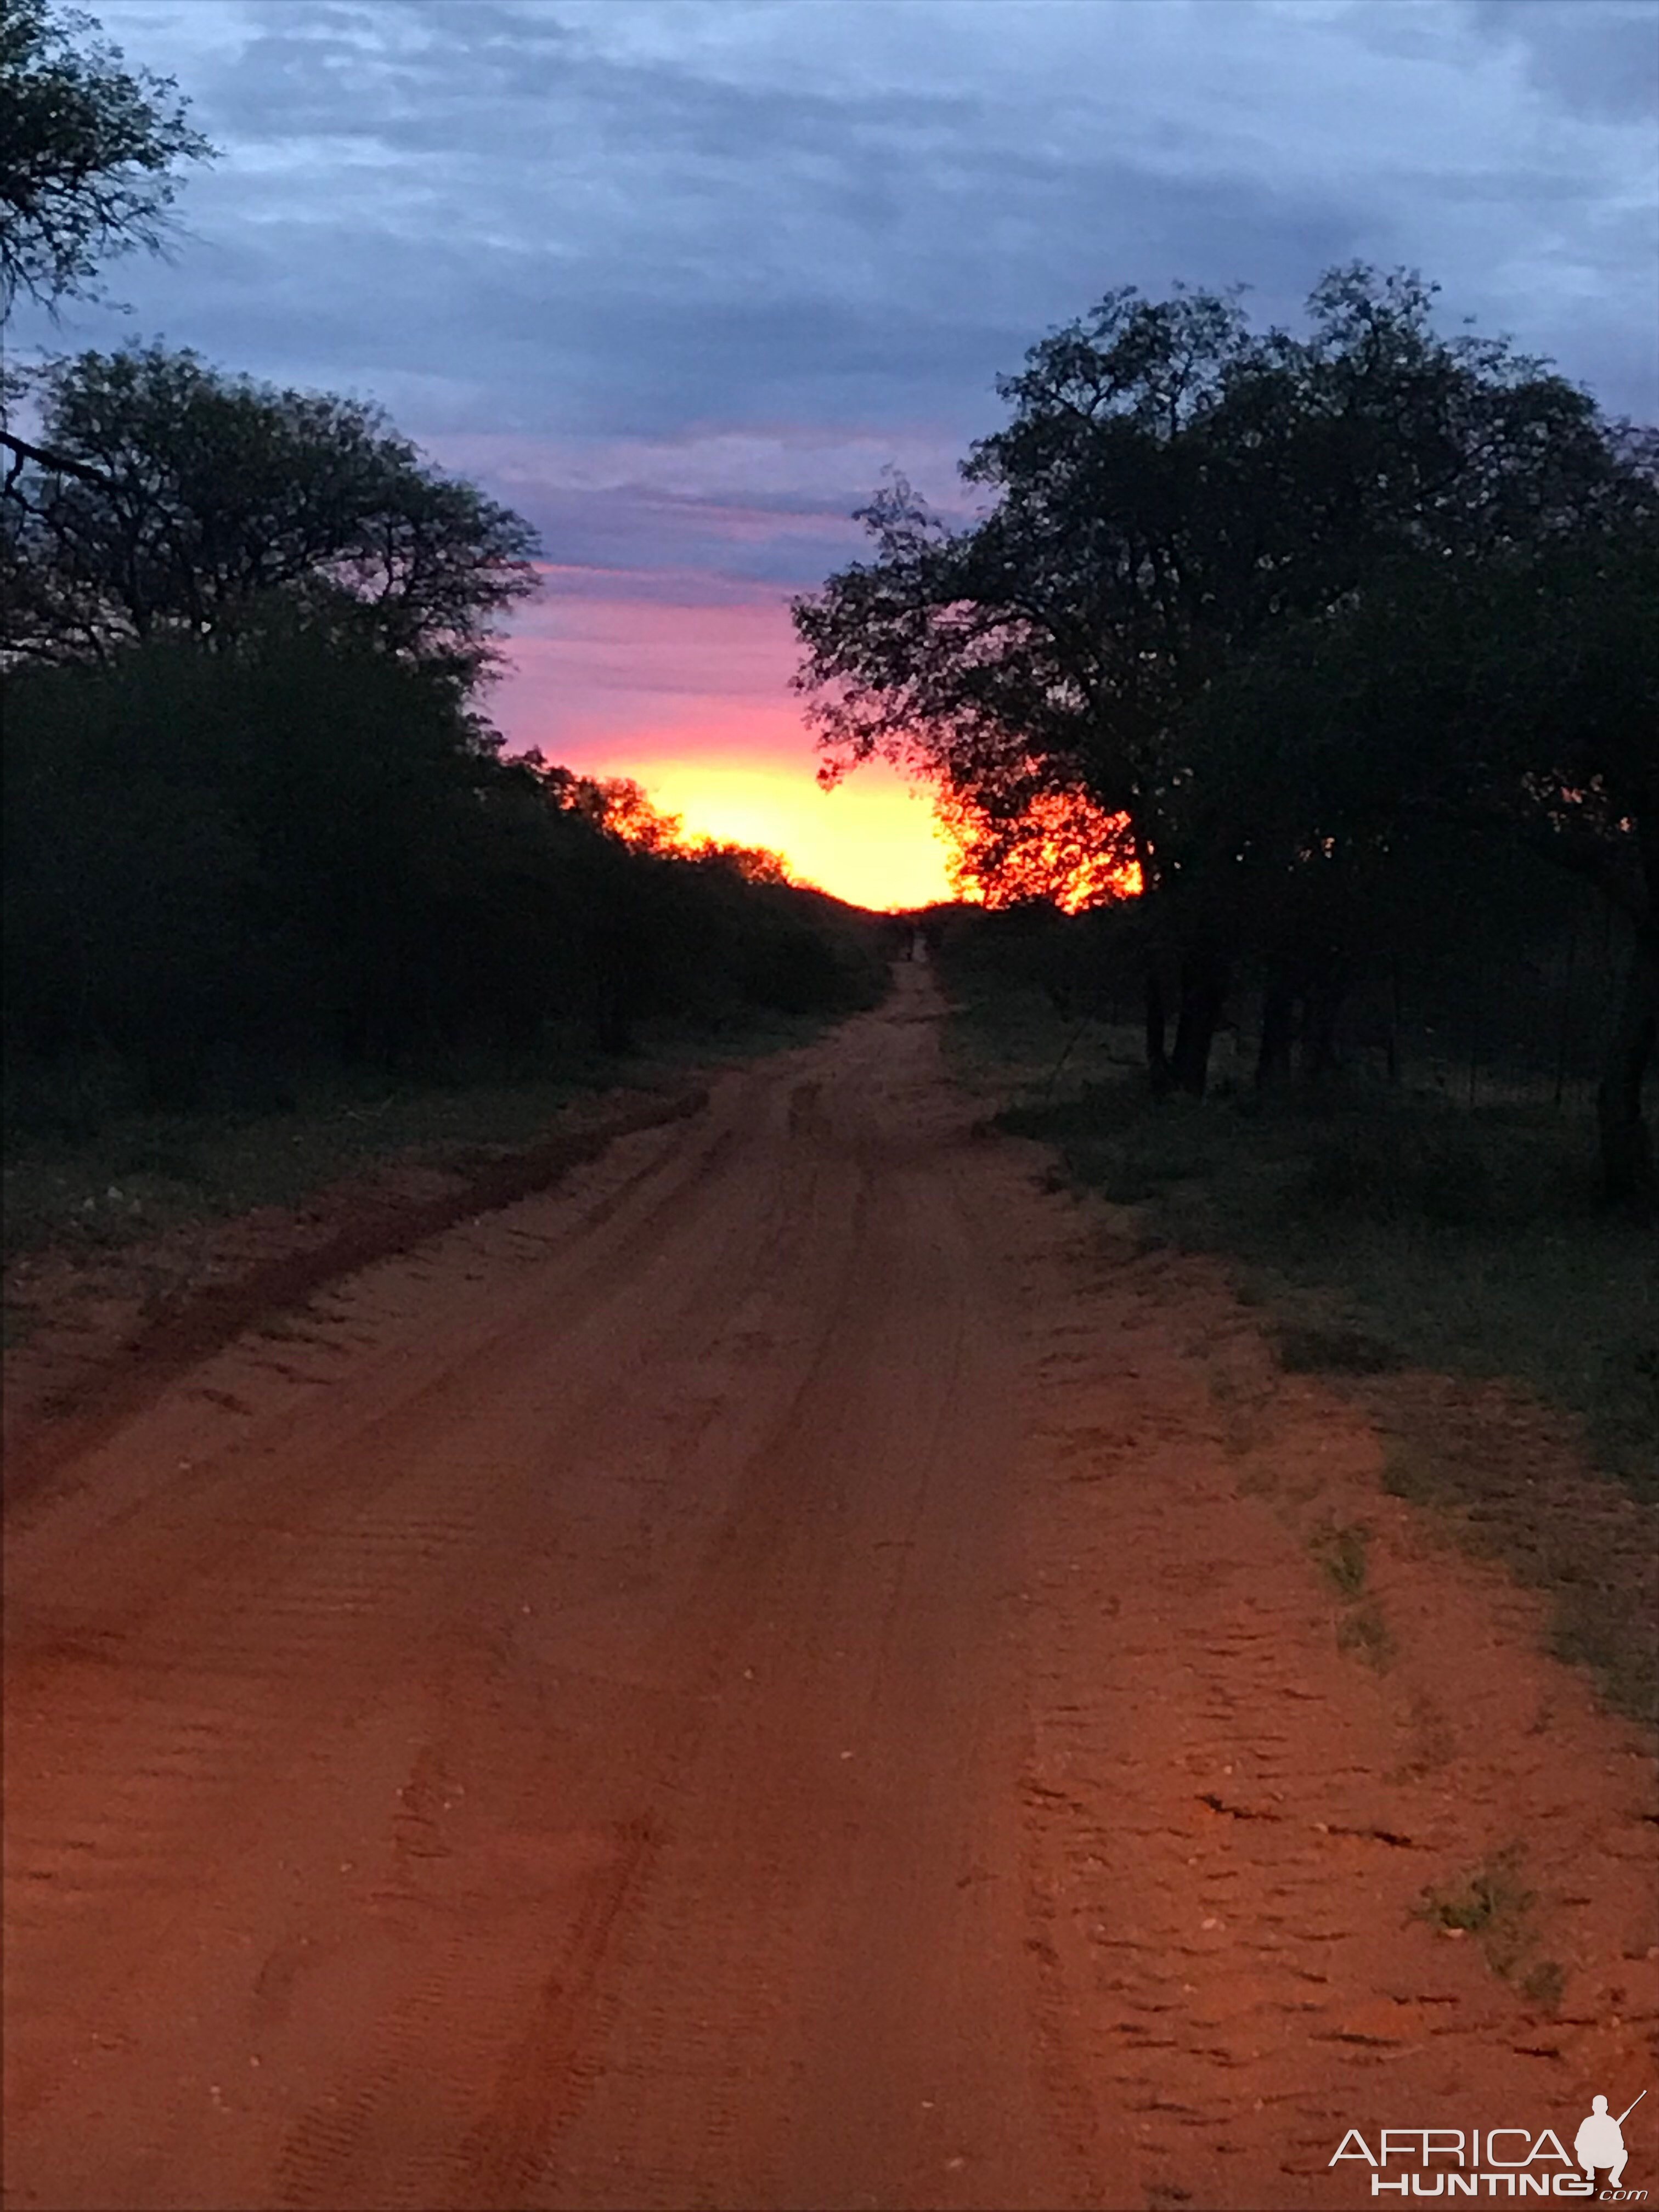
(1366, 1634)
(1240, 1413)
(140, 1174)
(1378, 1229)
(1492, 1904)
(1342, 1555)
(1361, 1629)
(1386, 1238)
(1406, 1474)
(1598, 1574)
(1546, 1984)
(1488, 1900)
(1310, 1351)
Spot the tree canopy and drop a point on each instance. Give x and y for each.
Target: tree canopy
(1172, 488)
(167, 497)
(256, 825)
(1292, 612)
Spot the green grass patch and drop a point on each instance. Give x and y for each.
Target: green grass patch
(1380, 1229)
(1364, 1634)
(1493, 1905)
(1490, 1899)
(1361, 1631)
(1546, 1985)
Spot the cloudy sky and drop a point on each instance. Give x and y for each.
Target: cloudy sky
(679, 278)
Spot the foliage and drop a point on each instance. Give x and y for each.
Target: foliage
(297, 851)
(1363, 771)
(1171, 488)
(256, 826)
(169, 498)
(1343, 1554)
(1396, 1226)
(622, 807)
(1322, 620)
(1336, 1209)
(88, 153)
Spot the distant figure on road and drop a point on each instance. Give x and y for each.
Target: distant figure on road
(1601, 2142)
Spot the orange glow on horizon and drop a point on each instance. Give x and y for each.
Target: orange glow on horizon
(872, 840)
(691, 702)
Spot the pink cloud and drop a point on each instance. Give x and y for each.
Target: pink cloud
(584, 669)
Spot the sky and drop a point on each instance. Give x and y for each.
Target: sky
(679, 279)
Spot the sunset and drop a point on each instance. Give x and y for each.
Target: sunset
(871, 840)
(690, 697)
(523, 228)
(831, 994)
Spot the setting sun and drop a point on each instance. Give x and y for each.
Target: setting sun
(871, 840)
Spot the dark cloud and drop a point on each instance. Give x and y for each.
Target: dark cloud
(1597, 58)
(788, 544)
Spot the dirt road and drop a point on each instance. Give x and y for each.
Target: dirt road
(757, 1678)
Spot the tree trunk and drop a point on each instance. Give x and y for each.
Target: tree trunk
(1204, 980)
(1396, 1021)
(1272, 1064)
(1157, 1061)
(1627, 1172)
(1322, 1006)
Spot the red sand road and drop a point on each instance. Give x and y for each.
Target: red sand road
(754, 1678)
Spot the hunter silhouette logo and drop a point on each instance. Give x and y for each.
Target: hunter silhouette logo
(1600, 2141)
(1452, 2162)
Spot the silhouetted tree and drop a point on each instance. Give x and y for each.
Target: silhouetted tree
(1043, 840)
(89, 151)
(167, 497)
(254, 821)
(1173, 489)
(293, 849)
(1364, 771)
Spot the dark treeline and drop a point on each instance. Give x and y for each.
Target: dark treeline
(1348, 642)
(1516, 1005)
(256, 823)
(225, 867)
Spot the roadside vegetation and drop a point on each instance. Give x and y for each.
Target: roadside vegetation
(136, 1173)
(276, 899)
(274, 910)
(1490, 1905)
(1452, 1265)
(1381, 1225)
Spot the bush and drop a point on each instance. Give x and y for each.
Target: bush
(1389, 1170)
(222, 864)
